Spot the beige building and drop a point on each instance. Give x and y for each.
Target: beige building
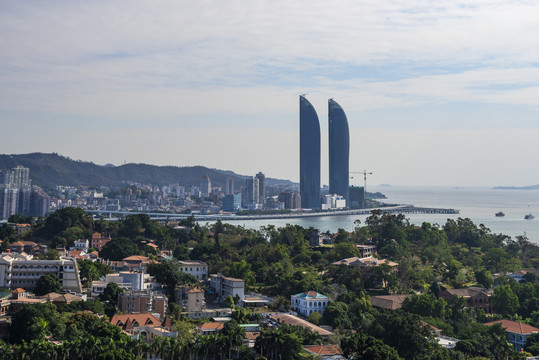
(21, 271)
(137, 302)
(191, 299)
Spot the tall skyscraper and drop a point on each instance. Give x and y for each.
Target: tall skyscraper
(339, 151)
(205, 186)
(18, 196)
(252, 191)
(229, 189)
(309, 155)
(261, 187)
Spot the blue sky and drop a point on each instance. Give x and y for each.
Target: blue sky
(436, 92)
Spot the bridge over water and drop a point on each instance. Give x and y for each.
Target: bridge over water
(399, 209)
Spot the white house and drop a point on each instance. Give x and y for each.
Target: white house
(197, 268)
(224, 286)
(308, 302)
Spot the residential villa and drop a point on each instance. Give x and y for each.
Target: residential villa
(308, 302)
(517, 332)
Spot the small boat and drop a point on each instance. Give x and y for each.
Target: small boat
(500, 214)
(529, 217)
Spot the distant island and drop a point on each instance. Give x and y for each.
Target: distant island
(529, 187)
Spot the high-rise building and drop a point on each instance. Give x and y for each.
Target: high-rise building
(290, 199)
(18, 196)
(232, 202)
(229, 189)
(261, 187)
(205, 186)
(252, 192)
(339, 151)
(309, 155)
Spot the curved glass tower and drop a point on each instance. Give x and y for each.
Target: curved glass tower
(309, 155)
(339, 151)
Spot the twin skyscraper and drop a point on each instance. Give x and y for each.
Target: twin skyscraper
(309, 153)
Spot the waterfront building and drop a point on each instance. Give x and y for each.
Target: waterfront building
(339, 150)
(357, 197)
(309, 155)
(333, 201)
(261, 187)
(205, 186)
(290, 199)
(252, 191)
(229, 188)
(232, 202)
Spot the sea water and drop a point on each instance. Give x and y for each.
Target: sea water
(478, 204)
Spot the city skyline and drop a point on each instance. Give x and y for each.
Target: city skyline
(436, 94)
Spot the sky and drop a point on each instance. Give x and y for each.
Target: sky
(436, 92)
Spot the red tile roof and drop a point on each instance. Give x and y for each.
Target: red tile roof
(211, 326)
(145, 319)
(515, 326)
(324, 349)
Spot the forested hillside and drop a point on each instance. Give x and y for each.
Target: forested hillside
(49, 170)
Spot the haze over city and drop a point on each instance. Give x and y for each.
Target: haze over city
(436, 93)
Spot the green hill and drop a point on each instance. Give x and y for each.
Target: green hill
(49, 170)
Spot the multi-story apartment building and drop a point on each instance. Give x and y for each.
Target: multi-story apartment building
(197, 268)
(128, 280)
(225, 286)
(21, 271)
(98, 241)
(191, 299)
(136, 302)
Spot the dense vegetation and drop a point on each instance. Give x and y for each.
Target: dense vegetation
(279, 262)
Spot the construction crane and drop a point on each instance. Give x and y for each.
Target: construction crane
(364, 173)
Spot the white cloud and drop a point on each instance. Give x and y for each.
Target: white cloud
(161, 67)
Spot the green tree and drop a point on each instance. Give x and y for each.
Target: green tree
(118, 249)
(229, 302)
(336, 314)
(315, 318)
(484, 278)
(363, 346)
(47, 283)
(505, 300)
(110, 293)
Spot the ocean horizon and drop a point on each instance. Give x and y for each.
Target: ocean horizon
(480, 204)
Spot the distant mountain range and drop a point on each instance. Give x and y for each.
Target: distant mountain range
(49, 170)
(529, 187)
